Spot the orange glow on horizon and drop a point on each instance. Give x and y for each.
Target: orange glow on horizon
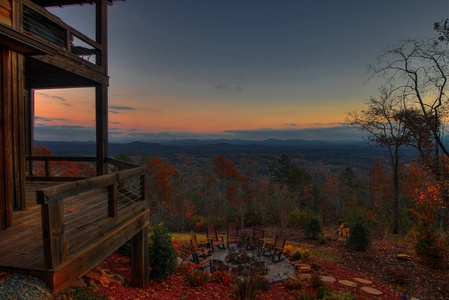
(76, 107)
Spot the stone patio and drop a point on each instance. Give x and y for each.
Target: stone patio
(276, 271)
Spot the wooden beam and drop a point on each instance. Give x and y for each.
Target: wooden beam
(3, 178)
(76, 66)
(7, 170)
(101, 32)
(22, 43)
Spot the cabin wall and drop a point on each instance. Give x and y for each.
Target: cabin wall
(5, 12)
(12, 132)
(12, 136)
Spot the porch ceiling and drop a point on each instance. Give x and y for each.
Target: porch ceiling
(41, 75)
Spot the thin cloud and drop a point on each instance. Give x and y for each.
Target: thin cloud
(222, 86)
(62, 100)
(115, 107)
(45, 119)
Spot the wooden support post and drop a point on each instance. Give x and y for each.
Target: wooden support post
(139, 258)
(53, 235)
(101, 106)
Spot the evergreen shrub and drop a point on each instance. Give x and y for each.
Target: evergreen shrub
(313, 229)
(360, 236)
(161, 253)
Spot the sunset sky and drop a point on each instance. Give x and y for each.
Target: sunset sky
(235, 69)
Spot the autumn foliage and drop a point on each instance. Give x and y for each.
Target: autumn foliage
(61, 168)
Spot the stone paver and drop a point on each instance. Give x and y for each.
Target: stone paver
(371, 290)
(328, 279)
(348, 283)
(364, 281)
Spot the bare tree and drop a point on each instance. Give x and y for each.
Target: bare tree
(380, 120)
(420, 68)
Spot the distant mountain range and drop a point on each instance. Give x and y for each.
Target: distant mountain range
(192, 146)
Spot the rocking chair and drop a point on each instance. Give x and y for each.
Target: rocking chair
(213, 237)
(275, 250)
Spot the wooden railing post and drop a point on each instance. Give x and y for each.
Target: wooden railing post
(47, 167)
(53, 235)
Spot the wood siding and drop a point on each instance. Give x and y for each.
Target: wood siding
(12, 136)
(5, 12)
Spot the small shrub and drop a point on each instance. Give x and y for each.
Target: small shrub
(83, 293)
(247, 287)
(297, 255)
(316, 281)
(223, 277)
(293, 283)
(430, 246)
(322, 292)
(195, 276)
(295, 252)
(183, 267)
(313, 229)
(360, 237)
(161, 253)
(304, 296)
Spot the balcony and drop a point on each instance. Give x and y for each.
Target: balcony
(79, 60)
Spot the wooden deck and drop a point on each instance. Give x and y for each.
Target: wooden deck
(90, 231)
(21, 244)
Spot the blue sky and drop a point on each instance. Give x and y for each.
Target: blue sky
(236, 69)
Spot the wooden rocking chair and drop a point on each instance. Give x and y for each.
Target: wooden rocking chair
(275, 250)
(205, 263)
(233, 233)
(258, 233)
(213, 237)
(199, 251)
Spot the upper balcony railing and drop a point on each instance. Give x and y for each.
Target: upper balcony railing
(40, 23)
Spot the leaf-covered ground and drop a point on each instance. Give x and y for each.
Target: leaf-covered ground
(388, 274)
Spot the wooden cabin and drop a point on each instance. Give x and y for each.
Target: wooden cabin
(52, 227)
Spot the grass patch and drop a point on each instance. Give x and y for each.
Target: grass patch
(185, 237)
(324, 252)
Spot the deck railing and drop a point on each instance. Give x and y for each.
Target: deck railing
(40, 23)
(56, 168)
(76, 214)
